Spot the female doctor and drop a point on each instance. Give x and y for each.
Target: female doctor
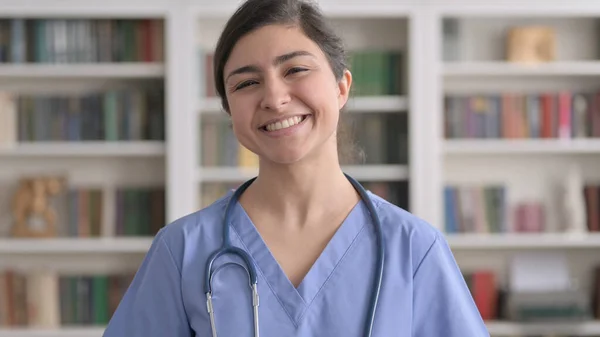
(308, 239)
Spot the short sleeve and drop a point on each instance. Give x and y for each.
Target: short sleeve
(442, 303)
(152, 306)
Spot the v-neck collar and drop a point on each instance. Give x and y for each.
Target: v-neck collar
(295, 301)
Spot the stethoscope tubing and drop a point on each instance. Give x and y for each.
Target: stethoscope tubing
(228, 248)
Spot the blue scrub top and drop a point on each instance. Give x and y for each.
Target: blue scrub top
(423, 292)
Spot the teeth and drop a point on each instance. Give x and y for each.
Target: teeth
(284, 124)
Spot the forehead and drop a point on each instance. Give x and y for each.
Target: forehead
(261, 46)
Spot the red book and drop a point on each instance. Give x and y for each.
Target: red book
(564, 115)
(485, 294)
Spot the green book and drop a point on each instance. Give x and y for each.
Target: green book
(100, 300)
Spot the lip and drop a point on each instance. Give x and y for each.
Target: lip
(280, 119)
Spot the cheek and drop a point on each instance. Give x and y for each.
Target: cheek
(320, 94)
(240, 123)
(241, 109)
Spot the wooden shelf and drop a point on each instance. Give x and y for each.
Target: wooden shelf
(359, 172)
(367, 104)
(523, 241)
(120, 245)
(84, 70)
(576, 68)
(591, 328)
(61, 332)
(521, 146)
(84, 149)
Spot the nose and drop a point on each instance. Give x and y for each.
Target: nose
(276, 95)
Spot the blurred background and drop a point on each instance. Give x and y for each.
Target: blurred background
(482, 117)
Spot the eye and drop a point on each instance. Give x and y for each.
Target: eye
(295, 70)
(244, 84)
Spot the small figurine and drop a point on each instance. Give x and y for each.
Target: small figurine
(33, 214)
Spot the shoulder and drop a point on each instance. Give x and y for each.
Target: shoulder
(405, 232)
(189, 230)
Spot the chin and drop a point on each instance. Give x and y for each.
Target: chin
(286, 157)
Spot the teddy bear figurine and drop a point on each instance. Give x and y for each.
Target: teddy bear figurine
(33, 214)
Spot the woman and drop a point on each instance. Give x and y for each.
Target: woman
(282, 77)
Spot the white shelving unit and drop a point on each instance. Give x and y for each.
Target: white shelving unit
(531, 168)
(107, 165)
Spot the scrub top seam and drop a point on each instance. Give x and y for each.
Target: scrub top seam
(162, 240)
(332, 272)
(425, 255)
(183, 302)
(266, 280)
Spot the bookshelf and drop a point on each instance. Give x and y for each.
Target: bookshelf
(517, 150)
(85, 94)
(415, 176)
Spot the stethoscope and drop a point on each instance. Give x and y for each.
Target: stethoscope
(228, 248)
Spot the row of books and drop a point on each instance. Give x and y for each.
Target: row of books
(383, 138)
(483, 287)
(220, 147)
(592, 206)
(484, 209)
(374, 72)
(111, 115)
(475, 208)
(49, 300)
(138, 211)
(83, 212)
(496, 302)
(33, 40)
(394, 192)
(377, 72)
(512, 115)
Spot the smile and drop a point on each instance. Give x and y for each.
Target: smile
(285, 123)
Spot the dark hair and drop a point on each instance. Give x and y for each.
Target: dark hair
(254, 14)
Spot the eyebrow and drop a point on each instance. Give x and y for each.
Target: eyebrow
(277, 61)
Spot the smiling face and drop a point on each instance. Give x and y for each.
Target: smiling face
(283, 97)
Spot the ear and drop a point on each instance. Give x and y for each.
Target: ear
(344, 86)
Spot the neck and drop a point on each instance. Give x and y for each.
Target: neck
(302, 193)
